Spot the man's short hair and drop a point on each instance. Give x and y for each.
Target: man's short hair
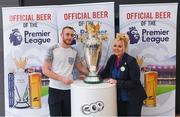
(68, 27)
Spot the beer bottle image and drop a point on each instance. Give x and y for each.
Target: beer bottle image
(35, 89)
(150, 79)
(11, 89)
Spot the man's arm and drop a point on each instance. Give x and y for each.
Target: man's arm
(46, 69)
(81, 68)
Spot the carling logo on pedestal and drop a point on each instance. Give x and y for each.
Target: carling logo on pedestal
(87, 109)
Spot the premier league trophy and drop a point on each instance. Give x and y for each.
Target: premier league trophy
(21, 84)
(92, 49)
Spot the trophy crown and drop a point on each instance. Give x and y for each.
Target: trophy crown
(93, 29)
(21, 62)
(140, 60)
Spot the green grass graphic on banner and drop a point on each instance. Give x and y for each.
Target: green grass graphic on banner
(161, 89)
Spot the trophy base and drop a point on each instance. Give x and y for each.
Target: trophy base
(92, 80)
(22, 105)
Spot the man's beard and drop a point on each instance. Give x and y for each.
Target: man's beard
(66, 42)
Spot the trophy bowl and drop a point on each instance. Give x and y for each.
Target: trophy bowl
(92, 56)
(21, 90)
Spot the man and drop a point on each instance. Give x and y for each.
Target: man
(58, 66)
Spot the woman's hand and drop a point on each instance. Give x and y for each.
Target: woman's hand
(112, 81)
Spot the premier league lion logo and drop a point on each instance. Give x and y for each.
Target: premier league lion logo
(133, 35)
(15, 37)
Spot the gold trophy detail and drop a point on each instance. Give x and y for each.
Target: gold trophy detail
(92, 47)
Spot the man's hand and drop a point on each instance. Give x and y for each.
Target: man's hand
(112, 81)
(82, 69)
(67, 81)
(82, 77)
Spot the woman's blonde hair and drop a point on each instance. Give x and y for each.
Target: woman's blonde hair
(122, 37)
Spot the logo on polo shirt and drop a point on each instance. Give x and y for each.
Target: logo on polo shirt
(71, 60)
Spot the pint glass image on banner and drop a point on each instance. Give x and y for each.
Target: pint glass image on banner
(35, 89)
(150, 80)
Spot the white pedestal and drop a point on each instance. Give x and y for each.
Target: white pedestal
(93, 99)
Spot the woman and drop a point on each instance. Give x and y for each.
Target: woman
(123, 70)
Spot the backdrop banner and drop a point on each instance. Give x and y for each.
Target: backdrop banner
(89, 18)
(152, 41)
(28, 33)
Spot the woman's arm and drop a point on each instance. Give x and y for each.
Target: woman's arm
(106, 72)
